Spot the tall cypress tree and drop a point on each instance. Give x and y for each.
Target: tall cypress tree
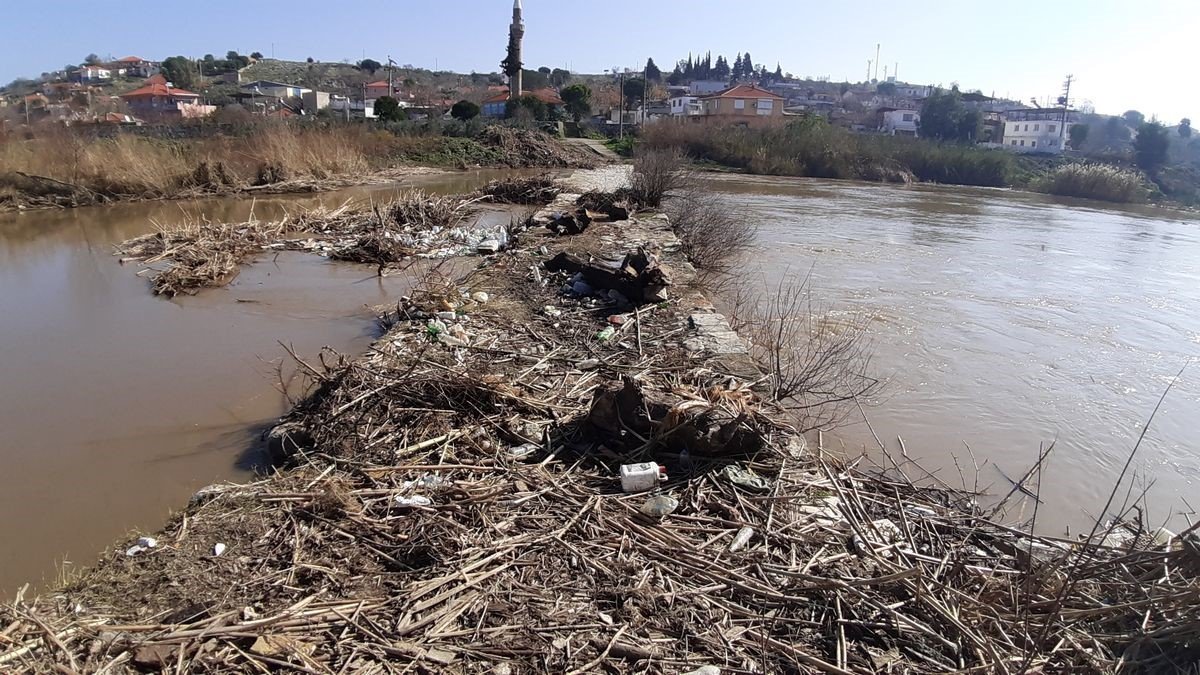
(737, 68)
(748, 69)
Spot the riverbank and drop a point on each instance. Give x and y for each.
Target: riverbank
(451, 501)
(66, 168)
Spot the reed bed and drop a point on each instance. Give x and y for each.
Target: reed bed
(449, 504)
(1095, 181)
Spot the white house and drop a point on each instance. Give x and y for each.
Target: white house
(94, 74)
(275, 89)
(899, 121)
(684, 106)
(1039, 130)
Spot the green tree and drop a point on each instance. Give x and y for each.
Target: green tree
(236, 60)
(1150, 147)
(652, 71)
(1134, 118)
(545, 70)
(91, 60)
(527, 105)
(559, 77)
(535, 79)
(677, 77)
(258, 56)
(886, 89)
(1079, 134)
(179, 71)
(578, 98)
(748, 68)
(945, 118)
(634, 90)
(464, 110)
(311, 60)
(722, 71)
(369, 65)
(1185, 128)
(388, 109)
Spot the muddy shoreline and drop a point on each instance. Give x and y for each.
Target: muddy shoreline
(462, 474)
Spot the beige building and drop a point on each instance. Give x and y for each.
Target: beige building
(744, 104)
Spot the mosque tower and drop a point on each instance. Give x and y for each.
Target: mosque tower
(516, 35)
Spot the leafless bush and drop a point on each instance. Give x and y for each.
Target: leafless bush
(818, 362)
(712, 234)
(655, 174)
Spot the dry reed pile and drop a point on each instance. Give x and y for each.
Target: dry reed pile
(199, 255)
(537, 190)
(451, 506)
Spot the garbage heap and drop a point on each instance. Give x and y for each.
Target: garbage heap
(539, 469)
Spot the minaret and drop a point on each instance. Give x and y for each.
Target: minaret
(516, 35)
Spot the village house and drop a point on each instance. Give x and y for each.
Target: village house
(1036, 130)
(496, 105)
(374, 90)
(92, 74)
(706, 87)
(742, 105)
(157, 100)
(899, 121)
(270, 89)
(135, 66)
(684, 105)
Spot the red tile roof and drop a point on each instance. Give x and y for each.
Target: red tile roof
(159, 90)
(157, 78)
(376, 85)
(744, 91)
(132, 59)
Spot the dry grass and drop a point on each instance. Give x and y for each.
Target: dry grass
(713, 235)
(818, 362)
(656, 173)
(1095, 181)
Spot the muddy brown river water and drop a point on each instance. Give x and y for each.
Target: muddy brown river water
(1006, 320)
(115, 405)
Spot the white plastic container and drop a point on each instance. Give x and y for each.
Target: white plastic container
(642, 477)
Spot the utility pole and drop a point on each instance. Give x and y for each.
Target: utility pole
(877, 47)
(645, 91)
(390, 87)
(1066, 104)
(621, 107)
(868, 71)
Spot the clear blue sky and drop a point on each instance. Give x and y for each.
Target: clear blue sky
(1124, 54)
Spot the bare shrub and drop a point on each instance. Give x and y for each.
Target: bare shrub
(655, 174)
(713, 235)
(817, 361)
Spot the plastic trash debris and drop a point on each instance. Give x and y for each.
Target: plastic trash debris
(447, 316)
(705, 670)
(523, 451)
(660, 506)
(489, 246)
(581, 288)
(881, 533)
(551, 310)
(590, 364)
(415, 500)
(642, 477)
(920, 511)
(617, 320)
(606, 334)
(741, 539)
(249, 614)
(143, 544)
(428, 481)
(746, 478)
(480, 297)
(218, 549)
(1163, 536)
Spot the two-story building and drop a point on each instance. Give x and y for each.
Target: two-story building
(899, 121)
(742, 105)
(1040, 130)
(684, 105)
(373, 90)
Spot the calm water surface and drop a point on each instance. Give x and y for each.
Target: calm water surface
(115, 405)
(1005, 321)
